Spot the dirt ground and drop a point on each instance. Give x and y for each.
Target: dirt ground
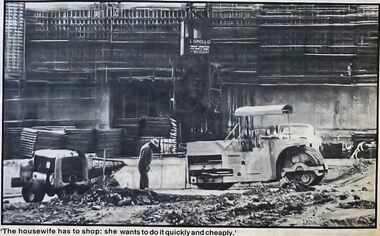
(345, 201)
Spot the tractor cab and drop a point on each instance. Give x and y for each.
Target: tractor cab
(251, 135)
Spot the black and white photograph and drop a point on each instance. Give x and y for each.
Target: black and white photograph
(212, 114)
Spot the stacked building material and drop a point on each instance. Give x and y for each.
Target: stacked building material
(53, 127)
(80, 139)
(33, 139)
(130, 125)
(13, 142)
(140, 130)
(150, 126)
(109, 140)
(159, 127)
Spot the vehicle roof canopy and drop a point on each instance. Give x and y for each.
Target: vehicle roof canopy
(55, 153)
(264, 110)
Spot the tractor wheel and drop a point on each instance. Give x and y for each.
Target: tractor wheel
(306, 157)
(33, 191)
(215, 186)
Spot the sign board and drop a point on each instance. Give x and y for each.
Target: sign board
(199, 46)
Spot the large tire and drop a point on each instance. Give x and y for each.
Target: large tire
(307, 156)
(215, 186)
(33, 191)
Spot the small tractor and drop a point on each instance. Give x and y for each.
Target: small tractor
(60, 172)
(254, 154)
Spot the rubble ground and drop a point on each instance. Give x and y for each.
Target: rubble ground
(345, 201)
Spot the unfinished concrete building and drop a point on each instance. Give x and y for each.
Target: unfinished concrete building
(320, 58)
(13, 60)
(101, 63)
(104, 64)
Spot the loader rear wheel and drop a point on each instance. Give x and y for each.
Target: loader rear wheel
(33, 191)
(215, 186)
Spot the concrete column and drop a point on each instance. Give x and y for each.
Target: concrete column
(105, 102)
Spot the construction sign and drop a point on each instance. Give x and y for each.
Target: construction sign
(199, 46)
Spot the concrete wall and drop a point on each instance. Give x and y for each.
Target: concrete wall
(325, 107)
(165, 173)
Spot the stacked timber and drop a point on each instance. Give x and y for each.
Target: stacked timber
(109, 140)
(12, 144)
(159, 127)
(28, 140)
(149, 126)
(80, 139)
(138, 131)
(130, 125)
(53, 128)
(34, 139)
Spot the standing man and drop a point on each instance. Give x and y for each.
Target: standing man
(145, 159)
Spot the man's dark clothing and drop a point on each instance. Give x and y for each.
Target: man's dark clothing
(144, 165)
(144, 179)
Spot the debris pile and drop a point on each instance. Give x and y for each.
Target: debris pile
(263, 205)
(362, 204)
(98, 197)
(360, 166)
(368, 221)
(296, 186)
(258, 206)
(72, 208)
(34, 213)
(196, 212)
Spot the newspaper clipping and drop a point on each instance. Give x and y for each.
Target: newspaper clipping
(189, 118)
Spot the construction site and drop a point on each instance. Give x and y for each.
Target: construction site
(264, 114)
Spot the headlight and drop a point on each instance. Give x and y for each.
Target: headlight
(51, 179)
